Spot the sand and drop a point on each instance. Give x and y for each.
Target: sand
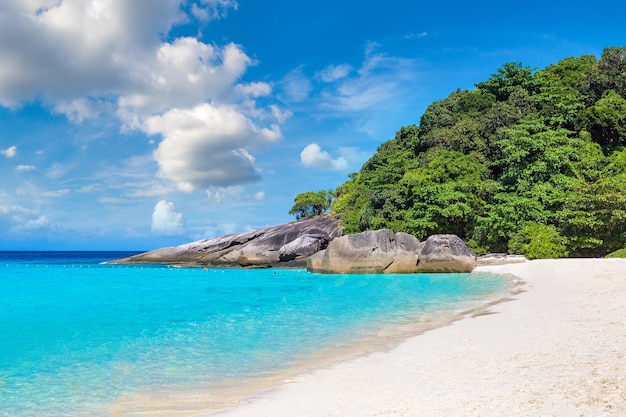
(557, 349)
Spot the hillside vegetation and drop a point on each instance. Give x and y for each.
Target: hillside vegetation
(530, 162)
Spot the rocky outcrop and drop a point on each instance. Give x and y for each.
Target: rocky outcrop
(383, 251)
(287, 245)
(317, 243)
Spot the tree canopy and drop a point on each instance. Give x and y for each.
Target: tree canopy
(530, 161)
(311, 203)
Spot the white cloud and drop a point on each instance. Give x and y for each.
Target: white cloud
(10, 152)
(64, 50)
(313, 156)
(166, 221)
(416, 35)
(17, 219)
(296, 86)
(206, 146)
(334, 72)
(280, 115)
(80, 109)
(25, 168)
(40, 223)
(88, 188)
(381, 79)
(56, 193)
(57, 171)
(214, 196)
(184, 73)
(84, 58)
(234, 193)
(212, 9)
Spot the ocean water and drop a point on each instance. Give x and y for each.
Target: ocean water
(76, 335)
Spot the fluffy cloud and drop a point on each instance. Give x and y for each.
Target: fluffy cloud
(65, 50)
(87, 57)
(313, 156)
(166, 221)
(186, 72)
(206, 146)
(9, 152)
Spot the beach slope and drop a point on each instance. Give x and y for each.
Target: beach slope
(557, 349)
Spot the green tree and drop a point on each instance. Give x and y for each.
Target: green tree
(446, 193)
(594, 214)
(609, 73)
(506, 212)
(513, 76)
(528, 161)
(606, 120)
(538, 241)
(311, 204)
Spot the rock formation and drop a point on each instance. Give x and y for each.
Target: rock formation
(383, 251)
(446, 253)
(287, 245)
(317, 243)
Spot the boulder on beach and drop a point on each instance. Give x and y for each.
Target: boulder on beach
(318, 244)
(446, 253)
(383, 251)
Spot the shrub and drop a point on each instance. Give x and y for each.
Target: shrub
(538, 241)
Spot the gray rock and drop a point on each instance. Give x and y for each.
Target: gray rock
(406, 258)
(305, 245)
(376, 252)
(286, 245)
(364, 253)
(446, 253)
(318, 244)
(382, 251)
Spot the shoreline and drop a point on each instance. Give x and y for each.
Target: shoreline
(231, 395)
(558, 348)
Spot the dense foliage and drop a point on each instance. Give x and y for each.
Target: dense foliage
(530, 162)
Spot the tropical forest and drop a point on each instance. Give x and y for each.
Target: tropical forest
(530, 162)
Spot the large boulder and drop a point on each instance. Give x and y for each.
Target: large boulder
(372, 252)
(364, 253)
(286, 245)
(383, 251)
(446, 253)
(406, 255)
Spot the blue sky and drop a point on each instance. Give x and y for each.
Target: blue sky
(148, 123)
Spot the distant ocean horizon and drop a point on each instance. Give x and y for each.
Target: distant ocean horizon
(76, 335)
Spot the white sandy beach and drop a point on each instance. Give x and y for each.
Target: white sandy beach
(557, 349)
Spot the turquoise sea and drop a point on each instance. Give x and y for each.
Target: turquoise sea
(76, 335)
